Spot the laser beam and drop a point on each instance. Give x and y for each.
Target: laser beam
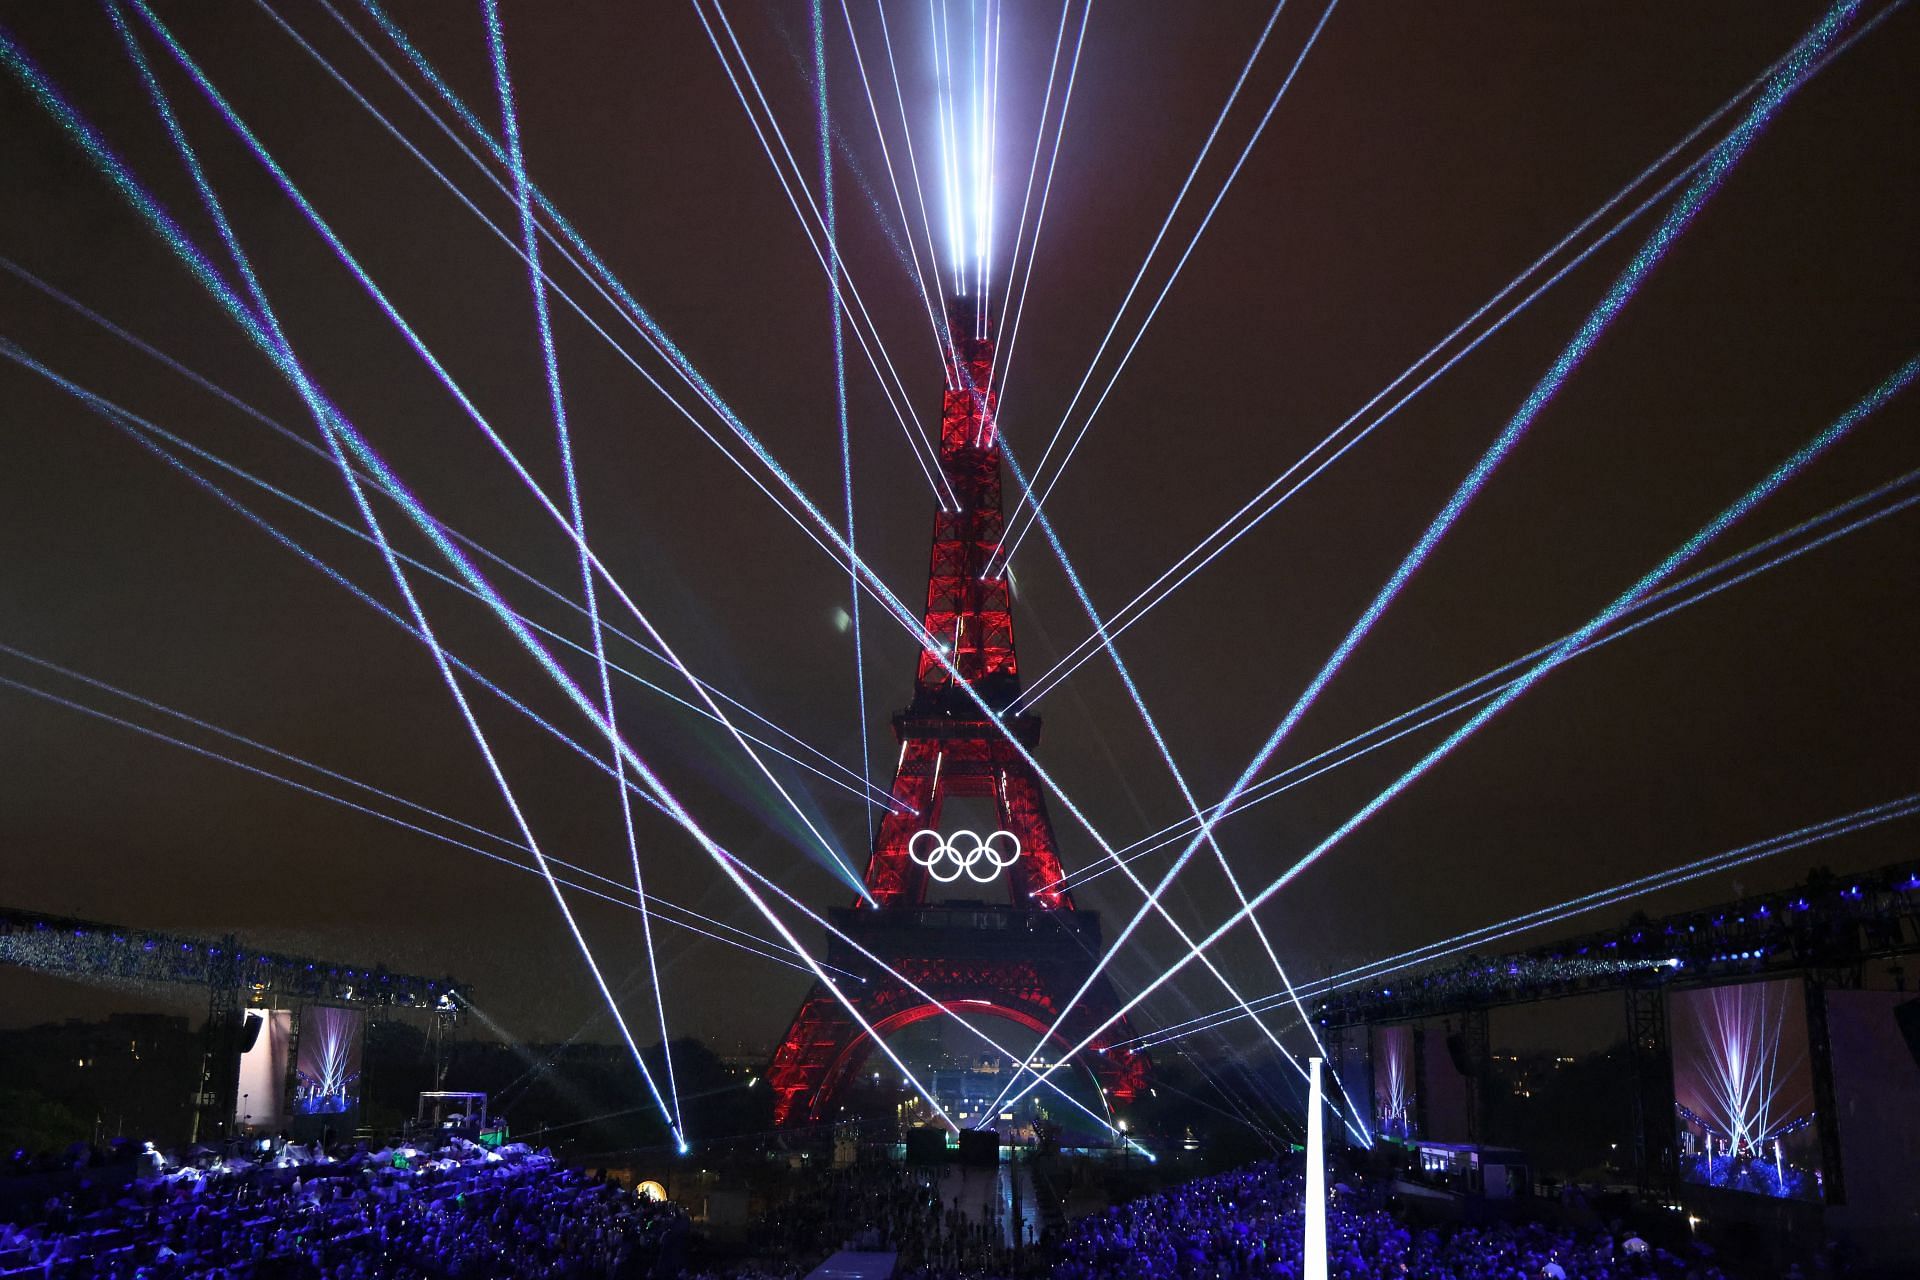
(334, 422)
(1676, 221)
(1799, 461)
(327, 419)
(530, 241)
(1034, 503)
(413, 339)
(1545, 917)
(1292, 776)
(829, 223)
(1126, 616)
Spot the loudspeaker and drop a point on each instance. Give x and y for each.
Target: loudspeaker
(1457, 1050)
(250, 1030)
(980, 1147)
(926, 1146)
(1906, 1016)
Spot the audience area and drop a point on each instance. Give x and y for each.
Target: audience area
(462, 1210)
(456, 1210)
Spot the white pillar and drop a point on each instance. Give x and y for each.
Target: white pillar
(1315, 1251)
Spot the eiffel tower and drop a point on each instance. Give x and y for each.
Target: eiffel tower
(1023, 960)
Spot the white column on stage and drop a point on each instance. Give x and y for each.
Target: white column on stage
(1315, 1250)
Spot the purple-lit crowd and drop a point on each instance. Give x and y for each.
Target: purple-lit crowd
(453, 1211)
(461, 1210)
(1248, 1224)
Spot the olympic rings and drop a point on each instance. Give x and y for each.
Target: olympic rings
(947, 857)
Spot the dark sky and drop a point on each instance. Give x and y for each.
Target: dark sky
(1423, 156)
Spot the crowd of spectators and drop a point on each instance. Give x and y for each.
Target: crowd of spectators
(1248, 1224)
(462, 1210)
(455, 1210)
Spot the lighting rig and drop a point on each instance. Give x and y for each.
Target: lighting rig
(235, 977)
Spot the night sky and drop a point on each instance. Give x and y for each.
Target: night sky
(1422, 157)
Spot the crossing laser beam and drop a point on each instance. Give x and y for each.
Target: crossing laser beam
(530, 241)
(906, 617)
(898, 398)
(125, 418)
(1798, 462)
(610, 284)
(590, 882)
(1676, 221)
(1186, 793)
(1180, 196)
(829, 223)
(997, 369)
(341, 433)
(1544, 917)
(941, 343)
(413, 339)
(570, 244)
(328, 419)
(566, 249)
(134, 427)
(1153, 594)
(1292, 776)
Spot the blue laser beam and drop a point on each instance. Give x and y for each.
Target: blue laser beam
(328, 419)
(898, 398)
(530, 240)
(565, 249)
(350, 530)
(1180, 196)
(1677, 220)
(1125, 617)
(766, 948)
(1544, 917)
(941, 343)
(998, 368)
(595, 269)
(413, 339)
(913, 168)
(945, 1007)
(1193, 802)
(906, 617)
(340, 431)
(1034, 503)
(136, 428)
(1799, 461)
(829, 222)
(90, 141)
(1291, 777)
(637, 315)
(616, 293)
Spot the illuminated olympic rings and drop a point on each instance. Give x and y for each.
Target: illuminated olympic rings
(946, 858)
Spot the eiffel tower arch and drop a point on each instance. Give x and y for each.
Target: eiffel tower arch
(1022, 960)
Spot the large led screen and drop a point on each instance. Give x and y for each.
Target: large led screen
(1743, 1090)
(1393, 1082)
(263, 1070)
(327, 1070)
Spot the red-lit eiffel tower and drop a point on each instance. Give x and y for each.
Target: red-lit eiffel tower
(1022, 960)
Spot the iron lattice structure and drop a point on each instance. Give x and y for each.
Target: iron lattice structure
(1021, 961)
